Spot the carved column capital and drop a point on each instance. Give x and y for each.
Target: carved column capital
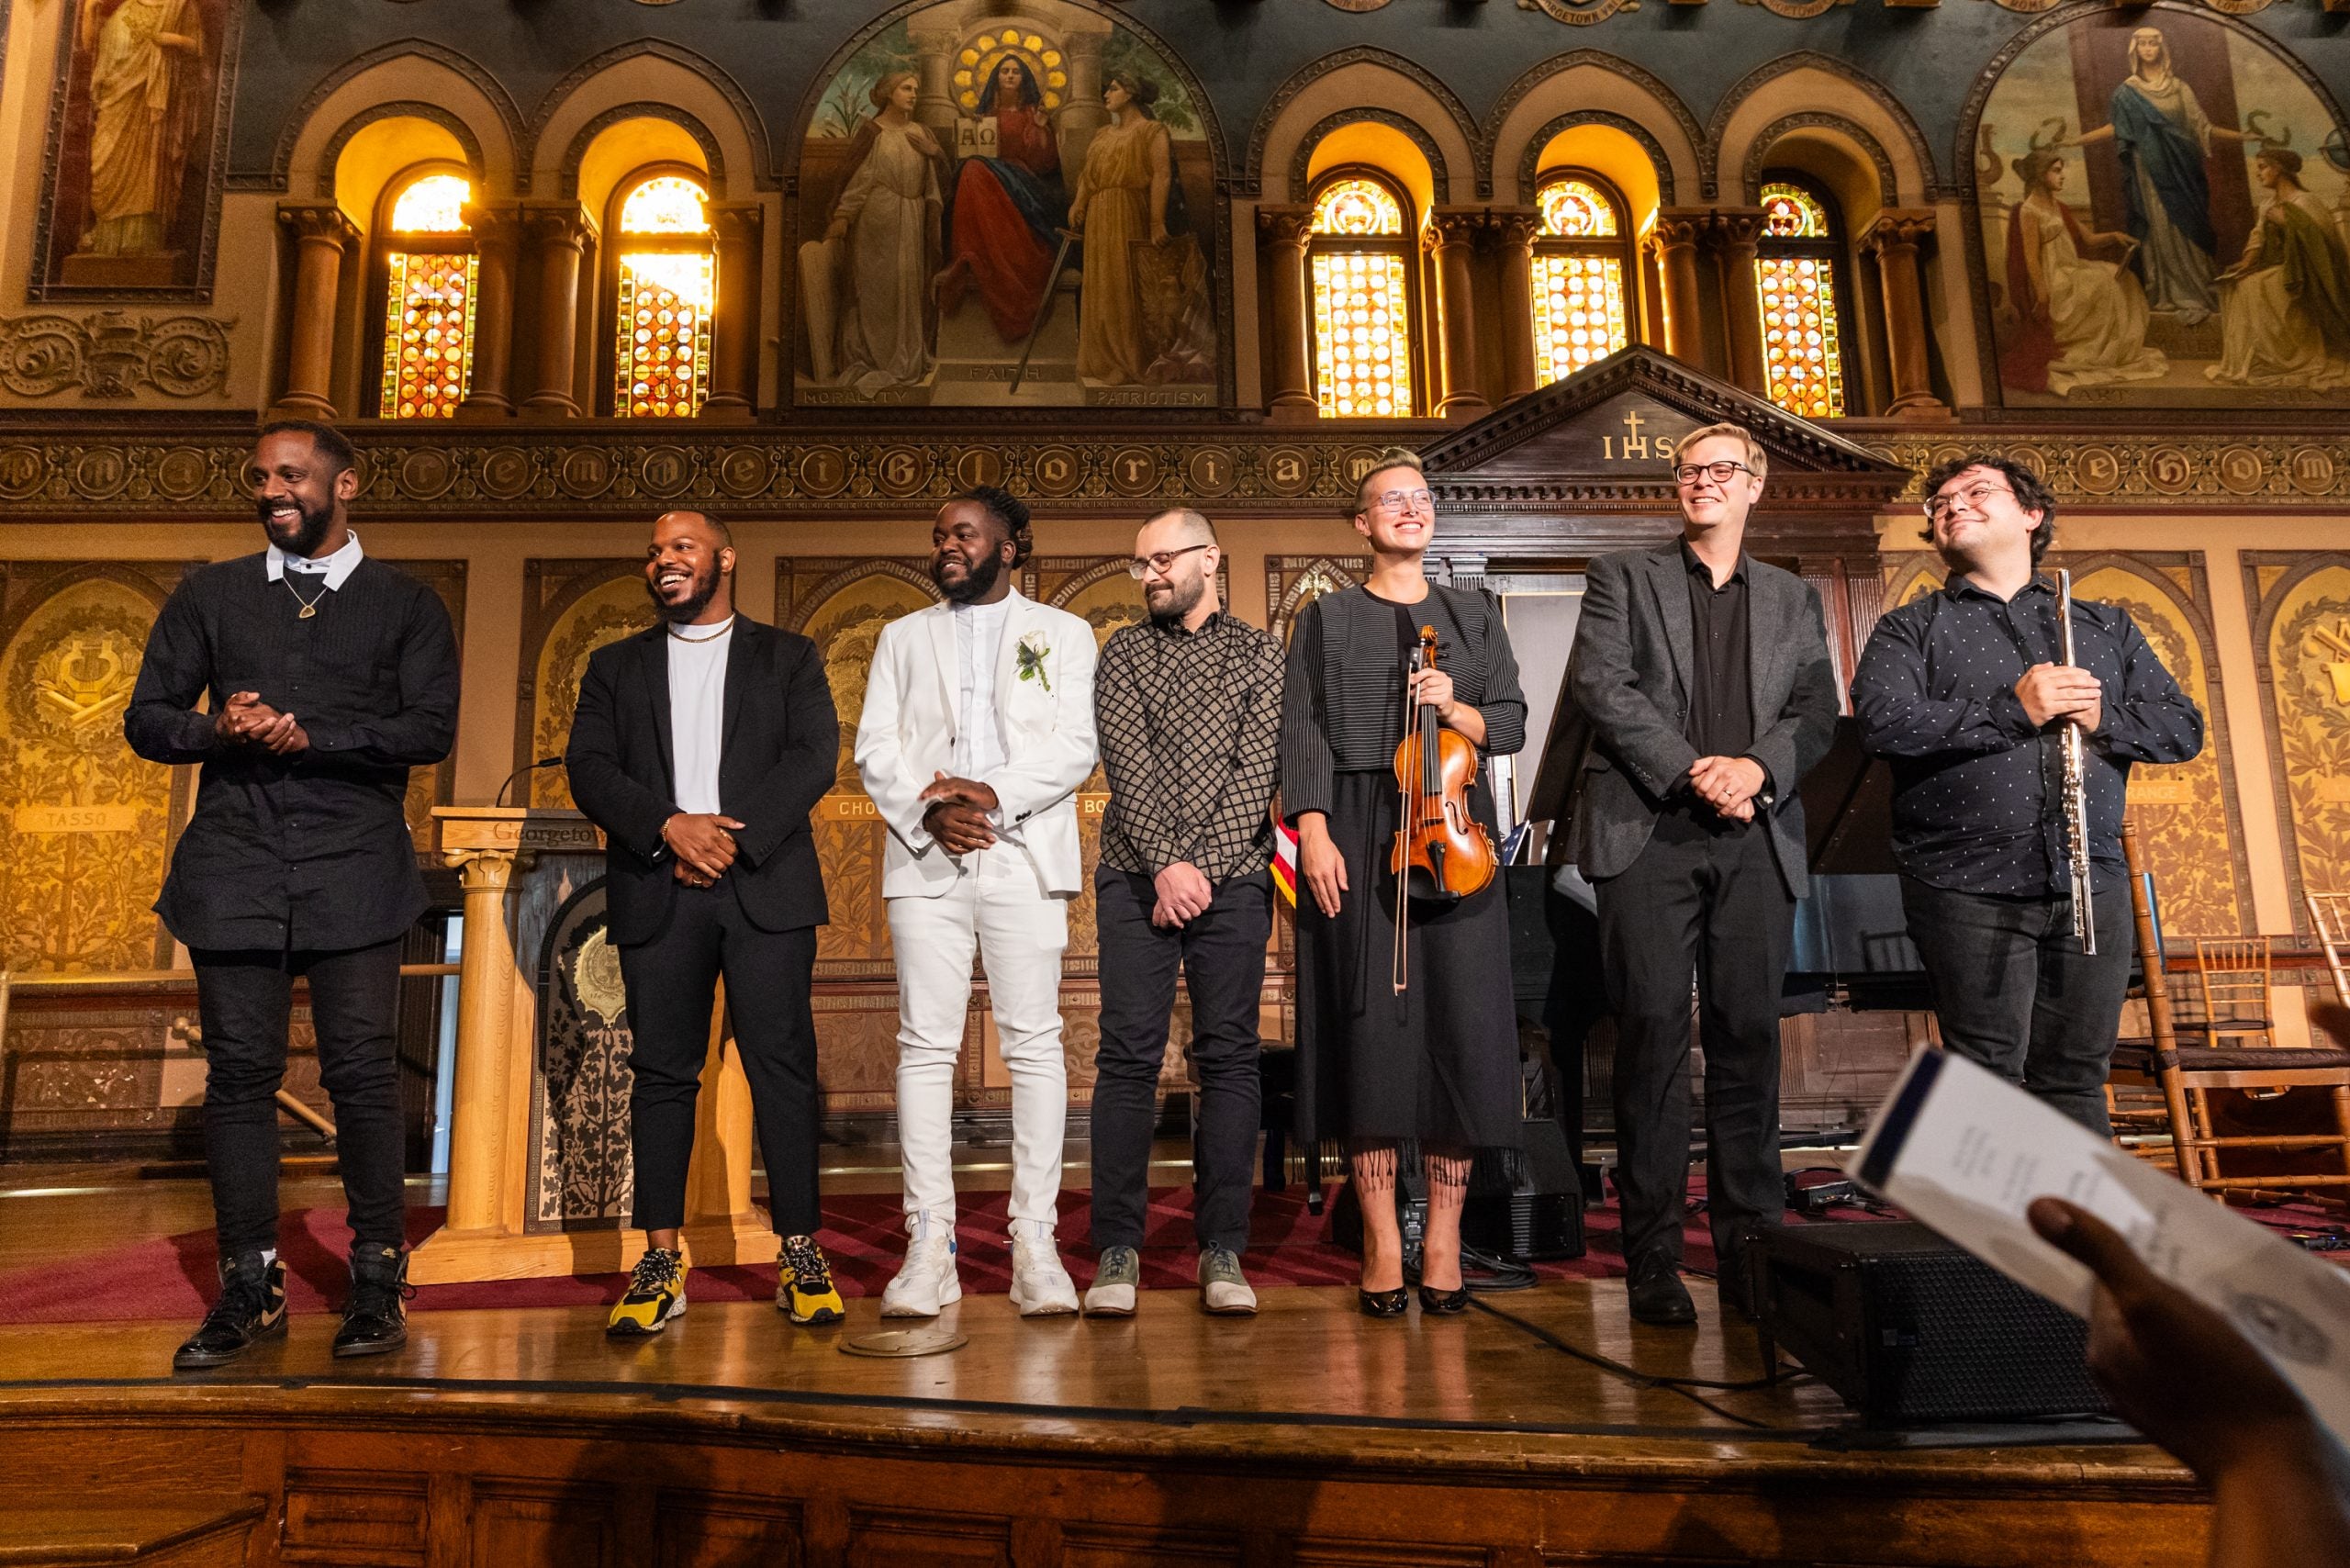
(1516, 227)
(1897, 226)
(736, 222)
(1449, 226)
(1285, 225)
(495, 226)
(1678, 227)
(1735, 229)
(559, 223)
(317, 222)
(484, 870)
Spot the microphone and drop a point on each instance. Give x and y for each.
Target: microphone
(526, 768)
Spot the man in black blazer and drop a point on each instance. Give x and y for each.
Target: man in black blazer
(1703, 679)
(700, 747)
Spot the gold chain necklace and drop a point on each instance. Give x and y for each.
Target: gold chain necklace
(707, 637)
(309, 606)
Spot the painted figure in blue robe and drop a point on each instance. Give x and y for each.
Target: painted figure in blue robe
(2157, 125)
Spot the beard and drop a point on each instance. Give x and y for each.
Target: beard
(309, 529)
(686, 610)
(1176, 602)
(977, 584)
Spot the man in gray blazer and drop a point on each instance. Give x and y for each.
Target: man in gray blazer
(1703, 678)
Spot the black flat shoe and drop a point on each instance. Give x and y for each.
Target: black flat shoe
(1383, 1304)
(1444, 1303)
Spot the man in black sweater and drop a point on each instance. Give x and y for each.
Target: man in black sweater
(329, 674)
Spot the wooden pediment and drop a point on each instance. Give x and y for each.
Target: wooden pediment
(1580, 467)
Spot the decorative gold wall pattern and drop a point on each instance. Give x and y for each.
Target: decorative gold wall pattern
(110, 353)
(430, 787)
(2301, 629)
(2188, 815)
(90, 823)
(570, 610)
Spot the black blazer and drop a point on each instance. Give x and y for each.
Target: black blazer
(779, 754)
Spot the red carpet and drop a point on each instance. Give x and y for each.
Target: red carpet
(173, 1277)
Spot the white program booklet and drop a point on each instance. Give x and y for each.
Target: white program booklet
(1965, 1152)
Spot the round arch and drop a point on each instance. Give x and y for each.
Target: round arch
(415, 81)
(1339, 83)
(1588, 87)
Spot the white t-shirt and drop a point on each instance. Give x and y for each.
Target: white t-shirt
(698, 711)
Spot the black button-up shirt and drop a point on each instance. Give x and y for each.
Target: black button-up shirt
(308, 851)
(1978, 790)
(1721, 690)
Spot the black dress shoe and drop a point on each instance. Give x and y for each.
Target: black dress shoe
(376, 1318)
(1444, 1303)
(1383, 1304)
(251, 1307)
(1658, 1296)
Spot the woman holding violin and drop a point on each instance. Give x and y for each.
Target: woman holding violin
(1407, 1032)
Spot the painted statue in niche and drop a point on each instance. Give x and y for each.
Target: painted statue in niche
(1007, 210)
(2140, 180)
(134, 142)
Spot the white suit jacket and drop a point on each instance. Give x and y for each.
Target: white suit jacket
(906, 737)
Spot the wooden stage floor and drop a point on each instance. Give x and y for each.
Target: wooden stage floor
(1308, 1435)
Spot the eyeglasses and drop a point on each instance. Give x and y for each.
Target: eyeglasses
(1160, 560)
(1396, 500)
(1939, 507)
(1688, 473)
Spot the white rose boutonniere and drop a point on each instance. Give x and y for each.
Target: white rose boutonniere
(1031, 654)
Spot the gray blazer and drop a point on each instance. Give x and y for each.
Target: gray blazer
(1628, 680)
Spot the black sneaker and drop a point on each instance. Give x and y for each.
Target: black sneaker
(251, 1306)
(375, 1320)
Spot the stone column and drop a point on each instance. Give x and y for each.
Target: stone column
(1516, 227)
(934, 104)
(733, 347)
(321, 235)
(1893, 239)
(1674, 240)
(560, 235)
(482, 1116)
(1451, 234)
(497, 237)
(1735, 230)
(1288, 376)
(1082, 115)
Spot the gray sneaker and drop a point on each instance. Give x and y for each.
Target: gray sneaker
(1112, 1293)
(1223, 1289)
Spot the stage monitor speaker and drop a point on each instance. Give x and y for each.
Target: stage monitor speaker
(1538, 1216)
(1908, 1327)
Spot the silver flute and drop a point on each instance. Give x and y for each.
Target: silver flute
(2076, 788)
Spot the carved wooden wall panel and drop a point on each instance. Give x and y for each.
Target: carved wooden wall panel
(569, 610)
(2300, 635)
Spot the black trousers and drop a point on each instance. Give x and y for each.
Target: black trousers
(672, 981)
(245, 997)
(2014, 992)
(1716, 907)
(1222, 956)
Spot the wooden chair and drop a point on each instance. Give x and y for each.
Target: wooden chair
(2187, 1073)
(2231, 974)
(2330, 918)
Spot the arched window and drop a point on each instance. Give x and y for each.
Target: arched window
(666, 284)
(1796, 268)
(1360, 263)
(430, 271)
(1581, 272)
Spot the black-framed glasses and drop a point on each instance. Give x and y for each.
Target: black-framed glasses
(1158, 561)
(1974, 495)
(1688, 473)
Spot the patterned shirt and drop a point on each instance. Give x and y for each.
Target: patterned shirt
(1977, 787)
(1190, 725)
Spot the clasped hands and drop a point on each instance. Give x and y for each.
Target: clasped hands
(703, 843)
(2061, 691)
(1185, 894)
(246, 720)
(957, 814)
(1729, 784)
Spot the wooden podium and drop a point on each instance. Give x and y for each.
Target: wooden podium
(518, 866)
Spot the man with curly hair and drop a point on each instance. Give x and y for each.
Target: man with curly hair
(977, 729)
(1964, 691)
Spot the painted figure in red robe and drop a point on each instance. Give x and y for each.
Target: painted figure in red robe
(1004, 218)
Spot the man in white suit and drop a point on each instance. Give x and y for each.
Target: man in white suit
(977, 729)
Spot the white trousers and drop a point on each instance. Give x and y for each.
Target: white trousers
(998, 907)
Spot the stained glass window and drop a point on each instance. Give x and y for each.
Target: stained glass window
(667, 287)
(1580, 313)
(1361, 277)
(428, 301)
(1795, 278)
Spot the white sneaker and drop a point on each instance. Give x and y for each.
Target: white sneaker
(1040, 1286)
(927, 1282)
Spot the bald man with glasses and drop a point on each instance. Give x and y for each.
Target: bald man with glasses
(1703, 678)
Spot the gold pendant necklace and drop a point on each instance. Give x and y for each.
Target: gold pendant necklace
(309, 606)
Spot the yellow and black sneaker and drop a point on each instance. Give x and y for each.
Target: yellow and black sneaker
(657, 1293)
(805, 1284)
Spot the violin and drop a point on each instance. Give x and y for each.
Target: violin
(1443, 854)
